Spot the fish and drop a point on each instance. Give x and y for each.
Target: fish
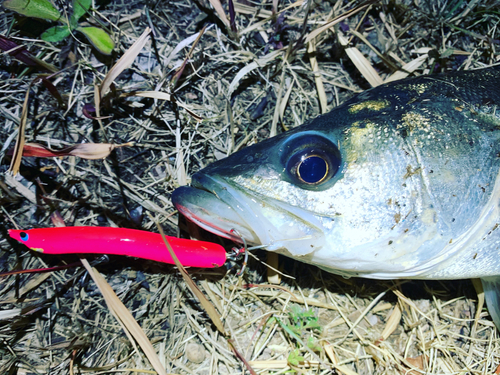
(400, 182)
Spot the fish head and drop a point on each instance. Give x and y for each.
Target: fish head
(334, 192)
(243, 195)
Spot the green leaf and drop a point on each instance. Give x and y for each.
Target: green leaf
(312, 344)
(73, 22)
(313, 324)
(80, 7)
(99, 39)
(447, 53)
(34, 8)
(55, 34)
(294, 358)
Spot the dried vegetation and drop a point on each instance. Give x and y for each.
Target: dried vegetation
(210, 80)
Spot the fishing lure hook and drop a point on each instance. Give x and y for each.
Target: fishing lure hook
(238, 252)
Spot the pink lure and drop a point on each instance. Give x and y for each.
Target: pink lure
(120, 241)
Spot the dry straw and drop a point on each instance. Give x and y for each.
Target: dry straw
(304, 58)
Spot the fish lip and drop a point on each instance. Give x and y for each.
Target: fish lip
(228, 199)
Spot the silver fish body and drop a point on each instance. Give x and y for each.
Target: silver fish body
(401, 181)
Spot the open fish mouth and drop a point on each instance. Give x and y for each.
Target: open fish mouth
(219, 207)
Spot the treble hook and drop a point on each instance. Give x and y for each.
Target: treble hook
(239, 251)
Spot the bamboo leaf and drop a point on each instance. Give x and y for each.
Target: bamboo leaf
(311, 49)
(220, 12)
(56, 34)
(313, 34)
(392, 323)
(99, 39)
(361, 63)
(53, 91)
(258, 63)
(33, 8)
(80, 7)
(160, 95)
(179, 72)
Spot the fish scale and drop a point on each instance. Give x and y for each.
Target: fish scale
(407, 185)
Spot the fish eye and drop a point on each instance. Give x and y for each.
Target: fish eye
(312, 169)
(311, 161)
(24, 236)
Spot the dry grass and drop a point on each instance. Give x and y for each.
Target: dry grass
(236, 88)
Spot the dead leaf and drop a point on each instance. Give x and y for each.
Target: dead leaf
(220, 12)
(497, 371)
(91, 151)
(124, 317)
(419, 362)
(15, 164)
(209, 308)
(392, 322)
(21, 54)
(125, 61)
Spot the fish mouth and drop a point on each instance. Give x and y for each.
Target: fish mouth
(222, 208)
(202, 204)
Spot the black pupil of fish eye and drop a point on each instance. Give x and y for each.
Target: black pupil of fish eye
(24, 236)
(312, 169)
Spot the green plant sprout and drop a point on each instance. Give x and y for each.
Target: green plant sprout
(294, 358)
(299, 322)
(302, 320)
(44, 9)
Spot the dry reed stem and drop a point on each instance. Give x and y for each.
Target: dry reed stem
(311, 49)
